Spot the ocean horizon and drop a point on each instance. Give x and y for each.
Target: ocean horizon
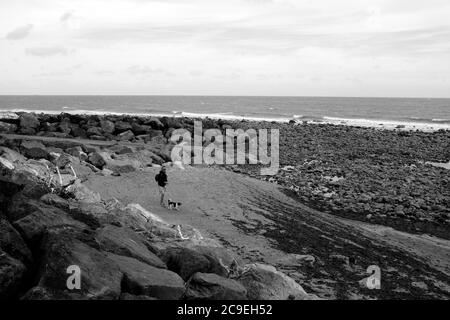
(413, 112)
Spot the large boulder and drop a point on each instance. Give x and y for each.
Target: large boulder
(186, 262)
(125, 242)
(122, 126)
(29, 123)
(62, 248)
(264, 282)
(34, 225)
(107, 126)
(97, 159)
(141, 129)
(34, 149)
(12, 243)
(7, 127)
(24, 176)
(12, 273)
(11, 155)
(155, 123)
(210, 286)
(143, 279)
(82, 193)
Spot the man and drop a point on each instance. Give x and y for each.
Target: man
(161, 178)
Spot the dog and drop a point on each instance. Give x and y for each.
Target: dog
(172, 205)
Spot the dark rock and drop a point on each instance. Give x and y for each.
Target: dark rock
(34, 149)
(209, 286)
(56, 201)
(28, 123)
(122, 126)
(12, 243)
(34, 225)
(155, 123)
(97, 159)
(143, 279)
(107, 126)
(94, 131)
(100, 277)
(12, 273)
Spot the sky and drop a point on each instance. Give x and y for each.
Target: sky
(374, 48)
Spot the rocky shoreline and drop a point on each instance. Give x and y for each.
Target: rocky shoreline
(379, 176)
(51, 222)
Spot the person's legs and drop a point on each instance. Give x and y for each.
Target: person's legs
(162, 192)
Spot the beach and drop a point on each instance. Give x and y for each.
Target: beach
(346, 196)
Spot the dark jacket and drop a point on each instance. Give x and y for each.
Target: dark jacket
(161, 178)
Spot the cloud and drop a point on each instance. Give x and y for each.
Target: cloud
(47, 51)
(20, 32)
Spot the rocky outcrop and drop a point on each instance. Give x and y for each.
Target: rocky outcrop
(186, 262)
(143, 279)
(125, 242)
(264, 282)
(210, 286)
(100, 278)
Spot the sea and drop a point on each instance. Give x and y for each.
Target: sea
(420, 113)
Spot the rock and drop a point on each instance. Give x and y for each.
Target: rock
(97, 159)
(186, 262)
(100, 277)
(143, 279)
(126, 136)
(94, 131)
(77, 152)
(125, 242)
(12, 243)
(107, 126)
(11, 155)
(79, 132)
(56, 201)
(82, 193)
(12, 273)
(122, 126)
(7, 127)
(155, 123)
(34, 149)
(209, 286)
(141, 129)
(264, 282)
(34, 225)
(28, 123)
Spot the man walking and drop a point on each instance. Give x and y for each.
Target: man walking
(161, 179)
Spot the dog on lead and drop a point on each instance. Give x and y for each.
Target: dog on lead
(173, 205)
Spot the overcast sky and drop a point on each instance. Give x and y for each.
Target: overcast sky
(230, 47)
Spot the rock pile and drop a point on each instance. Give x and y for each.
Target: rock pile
(52, 224)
